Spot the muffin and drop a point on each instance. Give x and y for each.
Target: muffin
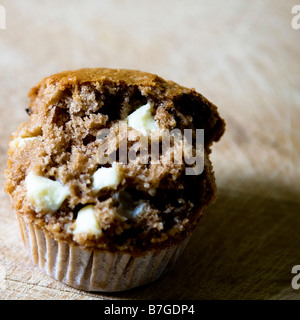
(111, 174)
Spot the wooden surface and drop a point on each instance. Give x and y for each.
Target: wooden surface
(243, 56)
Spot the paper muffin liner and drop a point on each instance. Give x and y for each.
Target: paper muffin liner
(95, 270)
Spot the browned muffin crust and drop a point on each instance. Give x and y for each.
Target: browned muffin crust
(66, 113)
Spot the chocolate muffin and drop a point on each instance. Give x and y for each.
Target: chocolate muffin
(111, 174)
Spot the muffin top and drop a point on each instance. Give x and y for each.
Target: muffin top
(114, 159)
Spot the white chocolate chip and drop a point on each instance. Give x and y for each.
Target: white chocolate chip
(142, 120)
(107, 177)
(86, 222)
(137, 210)
(44, 193)
(20, 142)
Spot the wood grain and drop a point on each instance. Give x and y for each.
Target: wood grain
(243, 56)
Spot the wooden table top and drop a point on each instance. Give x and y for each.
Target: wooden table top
(244, 57)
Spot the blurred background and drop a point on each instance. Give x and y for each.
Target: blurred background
(241, 55)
